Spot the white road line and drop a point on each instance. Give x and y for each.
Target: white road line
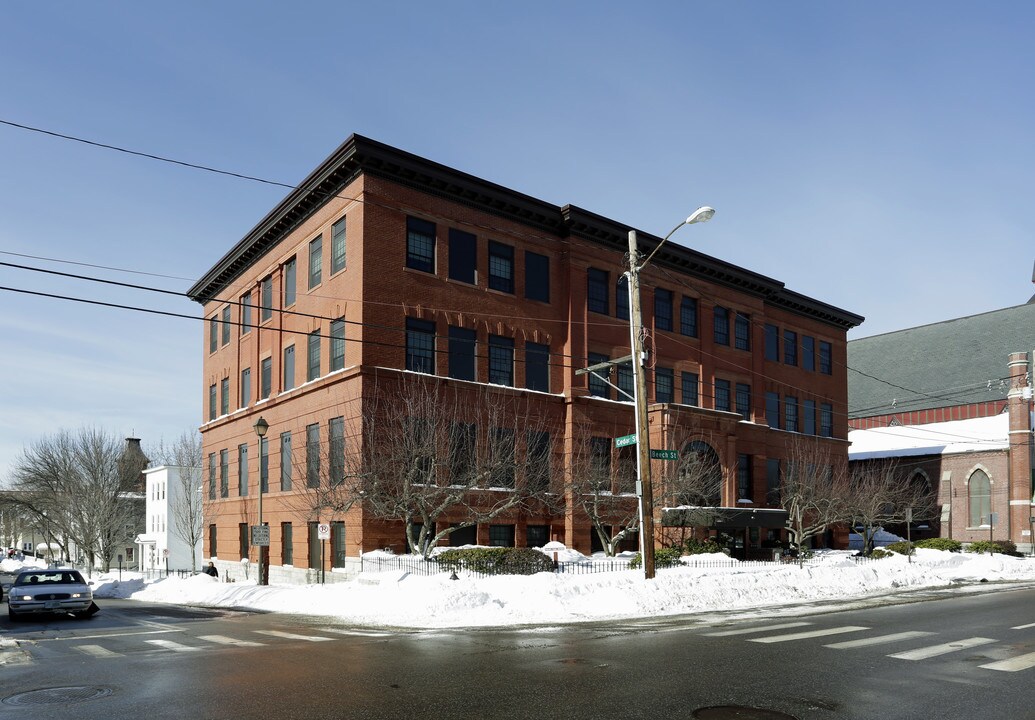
(748, 631)
(292, 636)
(879, 640)
(96, 651)
(1021, 662)
(934, 650)
(810, 634)
(1023, 627)
(224, 640)
(174, 646)
(355, 633)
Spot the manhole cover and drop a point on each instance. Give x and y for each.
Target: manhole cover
(739, 712)
(49, 696)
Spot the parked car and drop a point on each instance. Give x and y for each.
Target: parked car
(50, 591)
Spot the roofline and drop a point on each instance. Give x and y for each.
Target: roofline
(359, 155)
(941, 322)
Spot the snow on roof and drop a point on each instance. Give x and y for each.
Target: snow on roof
(944, 438)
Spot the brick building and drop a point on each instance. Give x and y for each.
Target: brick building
(383, 267)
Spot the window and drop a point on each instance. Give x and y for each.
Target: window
(246, 387)
(313, 356)
(501, 449)
(224, 473)
(266, 299)
(264, 464)
(772, 343)
(501, 360)
(462, 453)
(622, 298)
(536, 535)
(501, 536)
(979, 499)
(722, 394)
(790, 414)
(337, 544)
(420, 345)
(808, 417)
(211, 476)
(537, 366)
(688, 316)
(338, 246)
(808, 353)
(625, 381)
(212, 402)
(790, 347)
(226, 325)
(315, 546)
(826, 420)
(597, 290)
(744, 477)
(287, 550)
(501, 267)
(242, 469)
(597, 386)
(537, 461)
(312, 455)
(772, 410)
(463, 248)
(742, 331)
(662, 309)
(265, 378)
(688, 388)
(289, 367)
(337, 345)
(664, 385)
(245, 312)
(772, 481)
(826, 361)
(420, 244)
(336, 442)
(721, 325)
(213, 334)
(290, 282)
(286, 461)
(242, 539)
(420, 448)
(224, 396)
(744, 400)
(212, 540)
(315, 261)
(461, 353)
(600, 463)
(537, 277)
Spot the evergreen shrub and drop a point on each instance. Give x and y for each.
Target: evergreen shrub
(940, 543)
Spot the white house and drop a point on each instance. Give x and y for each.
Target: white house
(161, 546)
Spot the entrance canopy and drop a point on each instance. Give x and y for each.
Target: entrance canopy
(724, 518)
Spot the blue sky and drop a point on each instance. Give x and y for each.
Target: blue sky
(877, 156)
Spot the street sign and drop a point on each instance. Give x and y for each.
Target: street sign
(664, 454)
(261, 535)
(625, 441)
(323, 531)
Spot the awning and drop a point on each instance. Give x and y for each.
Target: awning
(724, 518)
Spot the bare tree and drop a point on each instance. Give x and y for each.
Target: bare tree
(693, 483)
(441, 458)
(813, 490)
(185, 509)
(880, 494)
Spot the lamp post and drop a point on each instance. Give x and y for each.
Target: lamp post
(645, 494)
(261, 426)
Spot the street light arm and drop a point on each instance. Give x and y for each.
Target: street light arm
(701, 214)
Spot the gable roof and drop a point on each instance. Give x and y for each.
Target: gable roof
(955, 362)
(944, 438)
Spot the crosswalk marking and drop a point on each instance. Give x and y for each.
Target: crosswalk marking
(292, 636)
(354, 633)
(809, 634)
(174, 646)
(1021, 662)
(1023, 627)
(935, 650)
(748, 631)
(878, 640)
(96, 651)
(224, 640)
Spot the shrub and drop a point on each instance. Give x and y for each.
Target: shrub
(902, 548)
(693, 546)
(495, 561)
(940, 543)
(993, 546)
(663, 557)
(879, 553)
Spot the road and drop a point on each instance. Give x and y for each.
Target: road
(952, 656)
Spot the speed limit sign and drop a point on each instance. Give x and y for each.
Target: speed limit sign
(323, 531)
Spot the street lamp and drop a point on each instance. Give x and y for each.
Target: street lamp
(645, 494)
(261, 426)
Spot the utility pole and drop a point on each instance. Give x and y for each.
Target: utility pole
(645, 489)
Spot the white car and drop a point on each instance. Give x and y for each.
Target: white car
(49, 591)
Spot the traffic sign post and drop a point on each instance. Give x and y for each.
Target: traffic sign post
(261, 535)
(323, 534)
